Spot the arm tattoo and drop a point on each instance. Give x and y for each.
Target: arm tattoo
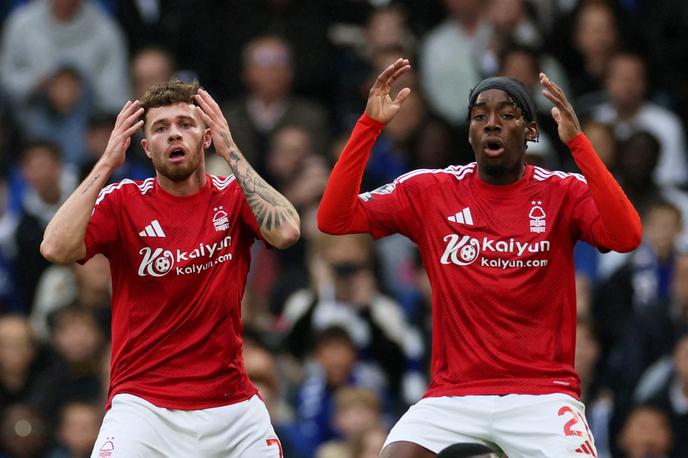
(88, 185)
(270, 208)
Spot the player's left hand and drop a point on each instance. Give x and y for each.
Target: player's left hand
(562, 112)
(216, 121)
(381, 106)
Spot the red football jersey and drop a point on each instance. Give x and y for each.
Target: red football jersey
(179, 267)
(500, 261)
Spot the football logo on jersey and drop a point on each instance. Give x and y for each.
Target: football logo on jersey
(155, 263)
(220, 220)
(504, 254)
(537, 217)
(460, 251)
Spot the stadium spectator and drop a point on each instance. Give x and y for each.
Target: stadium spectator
(450, 58)
(385, 29)
(59, 112)
(269, 103)
(334, 366)
(673, 396)
(629, 110)
(594, 39)
(357, 411)
(149, 66)
(369, 444)
(49, 184)
(74, 368)
(646, 432)
(77, 429)
(88, 285)
(345, 292)
(642, 281)
(42, 35)
(19, 361)
(637, 166)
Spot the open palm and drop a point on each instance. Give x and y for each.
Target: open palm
(381, 106)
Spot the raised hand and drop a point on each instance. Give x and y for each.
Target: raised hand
(562, 112)
(381, 106)
(276, 216)
(216, 121)
(126, 124)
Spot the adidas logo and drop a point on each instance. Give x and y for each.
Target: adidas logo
(153, 230)
(462, 217)
(586, 449)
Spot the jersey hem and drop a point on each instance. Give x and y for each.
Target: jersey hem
(496, 390)
(178, 404)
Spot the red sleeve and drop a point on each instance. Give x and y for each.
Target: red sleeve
(618, 227)
(341, 211)
(101, 232)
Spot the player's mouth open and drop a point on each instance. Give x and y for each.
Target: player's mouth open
(177, 155)
(493, 147)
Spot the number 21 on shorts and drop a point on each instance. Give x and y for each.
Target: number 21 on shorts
(587, 447)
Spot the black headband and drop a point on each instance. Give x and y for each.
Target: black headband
(513, 87)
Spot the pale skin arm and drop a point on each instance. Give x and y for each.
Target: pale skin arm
(277, 218)
(63, 240)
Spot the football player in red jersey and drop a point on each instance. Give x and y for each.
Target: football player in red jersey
(179, 251)
(496, 238)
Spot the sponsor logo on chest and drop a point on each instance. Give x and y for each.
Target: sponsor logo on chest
(503, 253)
(160, 261)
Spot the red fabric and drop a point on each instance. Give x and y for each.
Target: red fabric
(620, 228)
(340, 211)
(499, 258)
(177, 288)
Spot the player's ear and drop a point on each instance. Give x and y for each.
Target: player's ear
(207, 138)
(144, 145)
(532, 133)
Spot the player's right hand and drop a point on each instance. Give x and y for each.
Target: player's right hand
(126, 124)
(381, 106)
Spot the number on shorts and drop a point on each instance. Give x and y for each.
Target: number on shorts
(568, 431)
(276, 442)
(586, 447)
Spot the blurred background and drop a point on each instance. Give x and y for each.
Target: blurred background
(338, 329)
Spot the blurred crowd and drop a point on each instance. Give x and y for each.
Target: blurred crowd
(337, 329)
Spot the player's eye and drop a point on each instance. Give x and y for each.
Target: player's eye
(479, 117)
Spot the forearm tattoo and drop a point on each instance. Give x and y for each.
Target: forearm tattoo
(270, 208)
(88, 185)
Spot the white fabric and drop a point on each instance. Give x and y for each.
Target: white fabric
(532, 426)
(133, 427)
(450, 68)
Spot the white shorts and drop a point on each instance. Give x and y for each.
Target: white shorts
(532, 426)
(133, 427)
